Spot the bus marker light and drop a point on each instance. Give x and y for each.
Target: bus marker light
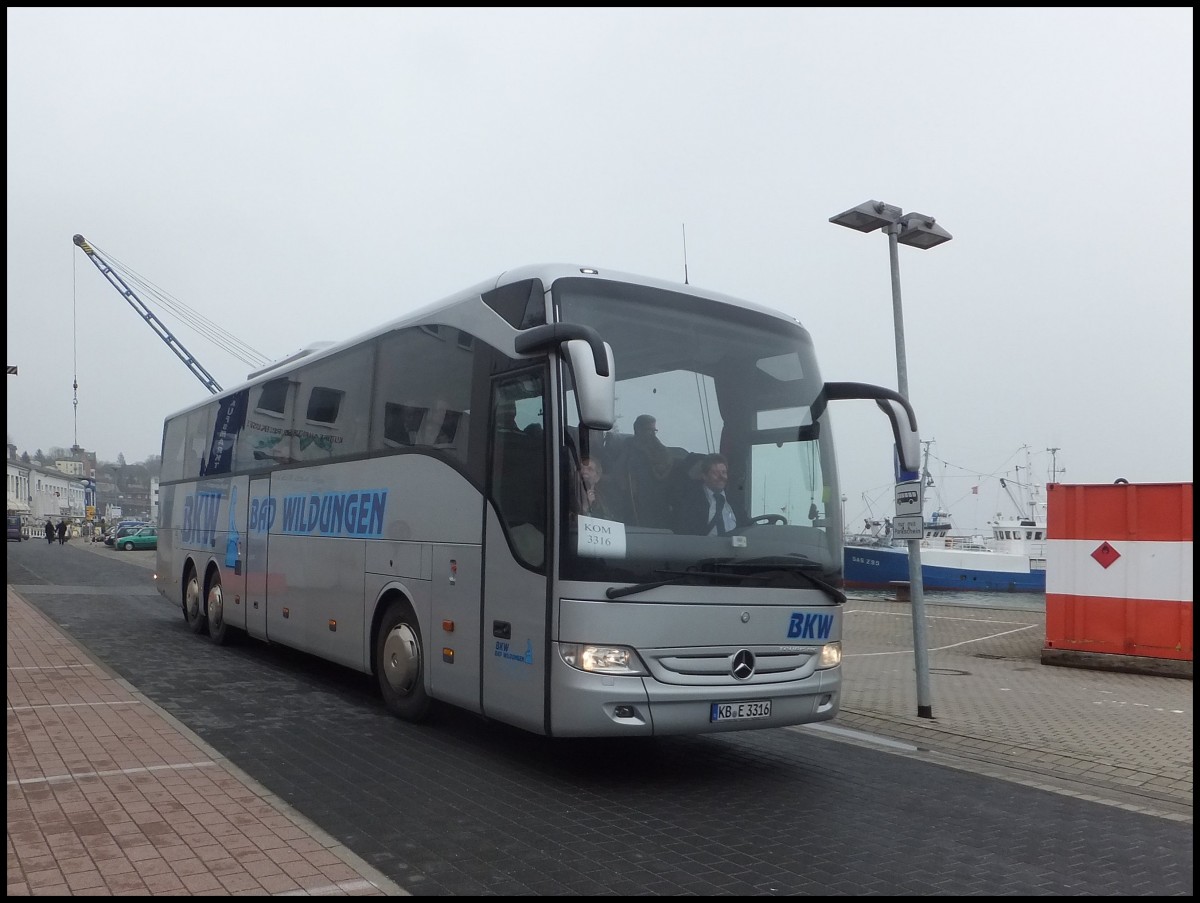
(448, 626)
(237, 600)
(448, 656)
(332, 625)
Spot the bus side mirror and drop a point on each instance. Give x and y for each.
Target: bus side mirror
(892, 403)
(904, 428)
(594, 393)
(591, 363)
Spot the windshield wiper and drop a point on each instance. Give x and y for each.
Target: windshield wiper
(791, 565)
(799, 565)
(615, 592)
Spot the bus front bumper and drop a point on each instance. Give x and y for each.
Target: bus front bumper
(595, 705)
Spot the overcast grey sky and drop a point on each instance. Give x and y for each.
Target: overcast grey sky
(306, 174)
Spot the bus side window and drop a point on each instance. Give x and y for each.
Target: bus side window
(519, 467)
(265, 439)
(332, 406)
(400, 424)
(461, 431)
(423, 390)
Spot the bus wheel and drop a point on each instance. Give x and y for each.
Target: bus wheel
(215, 605)
(400, 664)
(193, 604)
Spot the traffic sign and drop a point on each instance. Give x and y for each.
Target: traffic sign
(908, 526)
(908, 498)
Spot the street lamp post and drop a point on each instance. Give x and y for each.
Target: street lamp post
(918, 231)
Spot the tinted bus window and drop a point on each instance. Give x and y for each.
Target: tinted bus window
(423, 391)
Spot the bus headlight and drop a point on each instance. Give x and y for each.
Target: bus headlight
(831, 656)
(602, 659)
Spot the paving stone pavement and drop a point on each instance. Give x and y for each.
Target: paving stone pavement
(1120, 737)
(108, 794)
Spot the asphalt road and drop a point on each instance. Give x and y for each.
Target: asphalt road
(464, 806)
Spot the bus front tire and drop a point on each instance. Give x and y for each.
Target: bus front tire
(218, 630)
(193, 604)
(400, 664)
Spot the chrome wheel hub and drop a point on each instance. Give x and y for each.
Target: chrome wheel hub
(216, 607)
(191, 599)
(402, 659)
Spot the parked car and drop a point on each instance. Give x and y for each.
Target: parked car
(123, 529)
(14, 528)
(143, 538)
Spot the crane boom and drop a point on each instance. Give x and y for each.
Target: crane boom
(148, 315)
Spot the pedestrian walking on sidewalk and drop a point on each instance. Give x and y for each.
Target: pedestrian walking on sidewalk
(62, 532)
(49, 531)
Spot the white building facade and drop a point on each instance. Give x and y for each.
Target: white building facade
(37, 493)
(17, 488)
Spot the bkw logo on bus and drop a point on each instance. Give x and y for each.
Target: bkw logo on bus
(200, 519)
(809, 626)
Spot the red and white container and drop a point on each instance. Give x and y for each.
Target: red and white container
(1119, 572)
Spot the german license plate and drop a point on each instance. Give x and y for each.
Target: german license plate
(739, 711)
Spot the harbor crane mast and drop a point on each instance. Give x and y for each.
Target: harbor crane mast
(148, 315)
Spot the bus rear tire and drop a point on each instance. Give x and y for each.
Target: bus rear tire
(214, 605)
(400, 664)
(193, 603)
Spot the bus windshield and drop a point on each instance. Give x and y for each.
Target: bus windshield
(713, 411)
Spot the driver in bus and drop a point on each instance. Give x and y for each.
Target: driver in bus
(704, 509)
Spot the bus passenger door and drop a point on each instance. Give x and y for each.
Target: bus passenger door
(259, 521)
(515, 609)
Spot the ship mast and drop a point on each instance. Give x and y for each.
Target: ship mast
(1054, 471)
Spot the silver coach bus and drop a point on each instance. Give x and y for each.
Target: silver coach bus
(419, 503)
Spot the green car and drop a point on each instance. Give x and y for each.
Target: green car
(145, 538)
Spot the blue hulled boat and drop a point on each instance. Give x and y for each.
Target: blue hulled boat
(1012, 559)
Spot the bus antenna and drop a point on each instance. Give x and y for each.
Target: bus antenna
(685, 276)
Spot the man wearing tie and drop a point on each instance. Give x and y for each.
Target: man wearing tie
(705, 510)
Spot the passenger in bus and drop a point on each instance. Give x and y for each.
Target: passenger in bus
(649, 464)
(595, 502)
(704, 510)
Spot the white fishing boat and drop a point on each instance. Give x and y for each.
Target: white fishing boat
(1011, 559)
